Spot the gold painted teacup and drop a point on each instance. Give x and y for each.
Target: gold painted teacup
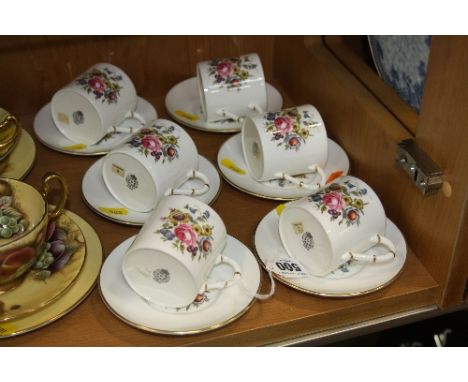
(10, 130)
(24, 216)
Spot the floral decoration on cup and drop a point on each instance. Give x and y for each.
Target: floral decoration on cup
(188, 230)
(290, 128)
(200, 299)
(341, 202)
(231, 71)
(102, 83)
(158, 142)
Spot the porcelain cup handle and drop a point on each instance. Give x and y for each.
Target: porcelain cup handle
(227, 113)
(131, 129)
(191, 191)
(225, 283)
(312, 187)
(372, 258)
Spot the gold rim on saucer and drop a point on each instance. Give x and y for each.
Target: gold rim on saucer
(21, 160)
(73, 296)
(187, 332)
(38, 289)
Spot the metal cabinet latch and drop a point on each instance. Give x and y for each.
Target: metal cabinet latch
(424, 172)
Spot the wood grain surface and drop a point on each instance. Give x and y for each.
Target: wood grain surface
(289, 313)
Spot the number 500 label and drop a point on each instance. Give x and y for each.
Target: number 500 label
(287, 268)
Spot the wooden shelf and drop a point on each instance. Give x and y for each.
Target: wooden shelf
(305, 71)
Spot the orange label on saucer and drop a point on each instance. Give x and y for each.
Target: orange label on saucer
(226, 162)
(280, 209)
(78, 146)
(186, 115)
(7, 329)
(114, 210)
(333, 176)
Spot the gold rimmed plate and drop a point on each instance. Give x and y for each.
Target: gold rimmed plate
(226, 307)
(352, 279)
(20, 161)
(72, 296)
(45, 282)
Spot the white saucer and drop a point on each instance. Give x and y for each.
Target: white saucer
(234, 169)
(99, 199)
(230, 304)
(183, 105)
(48, 134)
(353, 279)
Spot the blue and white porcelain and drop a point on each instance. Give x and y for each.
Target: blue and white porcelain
(401, 62)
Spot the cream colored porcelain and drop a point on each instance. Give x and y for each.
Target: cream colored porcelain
(10, 130)
(47, 280)
(23, 224)
(20, 161)
(72, 296)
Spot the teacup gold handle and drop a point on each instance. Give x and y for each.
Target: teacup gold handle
(4, 124)
(46, 179)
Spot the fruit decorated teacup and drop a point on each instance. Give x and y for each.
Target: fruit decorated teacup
(24, 217)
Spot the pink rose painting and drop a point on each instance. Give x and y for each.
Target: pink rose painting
(231, 72)
(96, 84)
(343, 202)
(151, 142)
(186, 234)
(104, 84)
(333, 201)
(224, 69)
(188, 230)
(158, 142)
(283, 124)
(290, 128)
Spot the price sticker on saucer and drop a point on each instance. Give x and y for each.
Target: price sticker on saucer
(287, 267)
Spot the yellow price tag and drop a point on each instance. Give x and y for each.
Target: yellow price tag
(114, 210)
(226, 162)
(78, 146)
(280, 208)
(7, 329)
(186, 115)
